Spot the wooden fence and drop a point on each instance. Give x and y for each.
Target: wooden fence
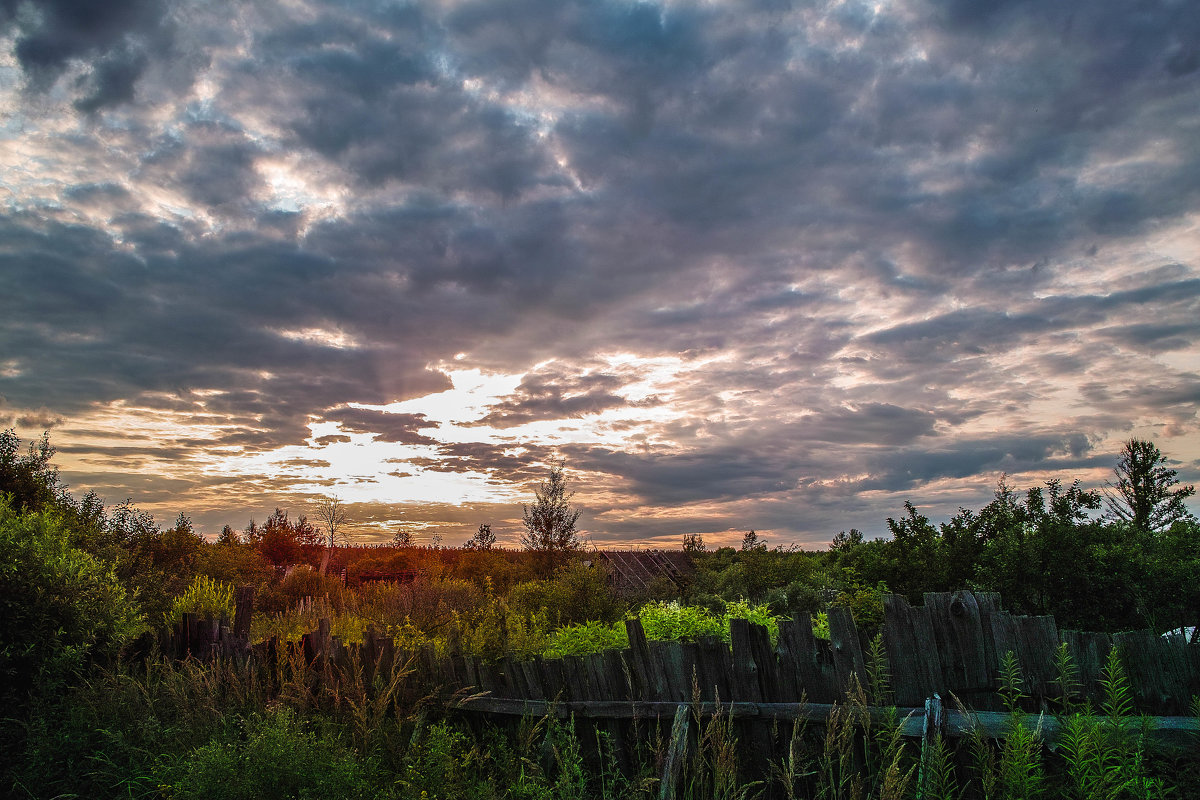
(951, 647)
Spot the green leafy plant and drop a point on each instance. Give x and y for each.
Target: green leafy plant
(1018, 770)
(1105, 756)
(60, 608)
(209, 598)
(278, 755)
(589, 637)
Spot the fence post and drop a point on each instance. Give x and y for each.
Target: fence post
(930, 731)
(243, 612)
(676, 754)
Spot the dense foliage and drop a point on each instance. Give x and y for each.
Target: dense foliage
(60, 608)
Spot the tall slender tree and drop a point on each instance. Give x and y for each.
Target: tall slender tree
(1147, 494)
(550, 521)
(330, 511)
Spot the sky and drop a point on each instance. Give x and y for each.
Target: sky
(759, 265)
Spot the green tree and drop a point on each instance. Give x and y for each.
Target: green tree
(60, 608)
(31, 479)
(917, 554)
(1147, 494)
(750, 542)
(1045, 554)
(550, 521)
(228, 536)
(846, 540)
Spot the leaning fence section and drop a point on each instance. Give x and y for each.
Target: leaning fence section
(952, 646)
(936, 668)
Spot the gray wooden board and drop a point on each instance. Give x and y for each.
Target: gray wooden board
(966, 628)
(766, 660)
(714, 668)
(1157, 669)
(846, 649)
(1038, 638)
(903, 649)
(789, 661)
(745, 671)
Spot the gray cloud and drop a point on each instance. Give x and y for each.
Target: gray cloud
(892, 247)
(115, 42)
(385, 426)
(548, 395)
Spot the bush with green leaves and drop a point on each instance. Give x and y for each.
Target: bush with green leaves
(589, 637)
(60, 608)
(576, 593)
(278, 755)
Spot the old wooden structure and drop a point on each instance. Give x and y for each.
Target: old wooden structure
(950, 647)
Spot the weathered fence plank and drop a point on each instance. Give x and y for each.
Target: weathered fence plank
(911, 646)
(847, 651)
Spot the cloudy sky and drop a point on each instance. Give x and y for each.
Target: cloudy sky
(764, 264)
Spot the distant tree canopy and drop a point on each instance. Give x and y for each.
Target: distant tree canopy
(1124, 558)
(752, 541)
(282, 541)
(483, 539)
(1048, 550)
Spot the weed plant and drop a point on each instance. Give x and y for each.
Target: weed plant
(209, 598)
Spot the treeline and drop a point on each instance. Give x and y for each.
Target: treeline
(1121, 559)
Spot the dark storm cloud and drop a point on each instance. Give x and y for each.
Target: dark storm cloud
(212, 163)
(383, 425)
(875, 423)
(114, 40)
(969, 331)
(371, 91)
(727, 472)
(906, 469)
(556, 395)
(867, 231)
(42, 418)
(1153, 337)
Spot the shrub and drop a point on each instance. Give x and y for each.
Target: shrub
(662, 622)
(575, 594)
(60, 607)
(304, 581)
(280, 757)
(590, 637)
(234, 563)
